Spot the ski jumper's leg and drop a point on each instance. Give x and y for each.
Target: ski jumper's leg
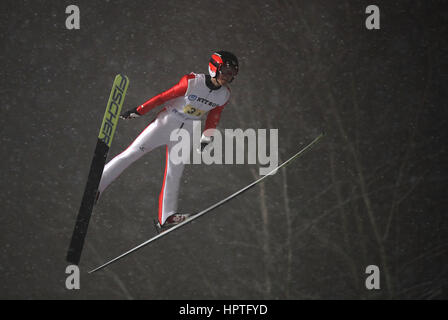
(168, 197)
(153, 136)
(170, 188)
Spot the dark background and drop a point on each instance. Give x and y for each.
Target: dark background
(372, 192)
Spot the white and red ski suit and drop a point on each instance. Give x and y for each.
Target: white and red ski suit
(188, 100)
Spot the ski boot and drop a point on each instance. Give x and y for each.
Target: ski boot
(171, 221)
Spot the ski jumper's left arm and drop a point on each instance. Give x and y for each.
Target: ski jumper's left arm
(176, 91)
(213, 119)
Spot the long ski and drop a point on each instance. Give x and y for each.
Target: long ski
(216, 205)
(106, 134)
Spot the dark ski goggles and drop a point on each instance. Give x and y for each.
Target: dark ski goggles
(228, 70)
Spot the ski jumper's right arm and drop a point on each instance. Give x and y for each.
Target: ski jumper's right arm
(176, 91)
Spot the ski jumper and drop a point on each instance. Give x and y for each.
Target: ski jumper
(188, 100)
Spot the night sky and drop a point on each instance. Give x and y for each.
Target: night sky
(372, 192)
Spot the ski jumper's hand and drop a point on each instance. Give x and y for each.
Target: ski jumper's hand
(205, 141)
(130, 114)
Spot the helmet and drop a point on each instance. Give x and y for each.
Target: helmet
(223, 61)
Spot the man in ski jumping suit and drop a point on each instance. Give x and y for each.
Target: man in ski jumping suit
(190, 99)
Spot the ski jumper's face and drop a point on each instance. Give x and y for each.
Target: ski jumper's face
(224, 79)
(226, 75)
